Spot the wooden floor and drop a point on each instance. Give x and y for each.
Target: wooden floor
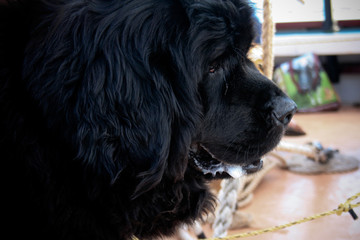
(284, 196)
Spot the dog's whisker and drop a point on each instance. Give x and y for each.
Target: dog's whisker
(231, 143)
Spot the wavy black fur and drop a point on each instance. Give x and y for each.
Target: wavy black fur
(100, 102)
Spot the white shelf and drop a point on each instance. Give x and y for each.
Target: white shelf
(338, 43)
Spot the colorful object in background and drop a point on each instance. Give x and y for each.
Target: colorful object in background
(306, 82)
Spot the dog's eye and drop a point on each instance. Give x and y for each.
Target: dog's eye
(213, 68)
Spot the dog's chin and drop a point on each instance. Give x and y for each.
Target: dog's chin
(202, 160)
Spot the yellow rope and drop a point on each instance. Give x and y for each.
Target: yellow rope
(344, 207)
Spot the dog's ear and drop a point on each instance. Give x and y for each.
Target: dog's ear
(166, 106)
(170, 109)
(111, 88)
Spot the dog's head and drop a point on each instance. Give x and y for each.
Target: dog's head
(152, 88)
(244, 113)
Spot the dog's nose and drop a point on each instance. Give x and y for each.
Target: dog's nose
(284, 109)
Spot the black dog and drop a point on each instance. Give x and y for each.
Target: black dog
(115, 114)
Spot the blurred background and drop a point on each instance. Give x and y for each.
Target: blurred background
(328, 28)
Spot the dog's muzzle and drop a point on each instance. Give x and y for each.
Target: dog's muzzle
(204, 161)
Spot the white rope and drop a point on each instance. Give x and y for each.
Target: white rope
(183, 233)
(306, 150)
(227, 203)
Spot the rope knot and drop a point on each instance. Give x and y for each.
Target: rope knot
(343, 207)
(347, 207)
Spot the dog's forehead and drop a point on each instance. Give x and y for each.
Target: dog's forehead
(218, 27)
(233, 13)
